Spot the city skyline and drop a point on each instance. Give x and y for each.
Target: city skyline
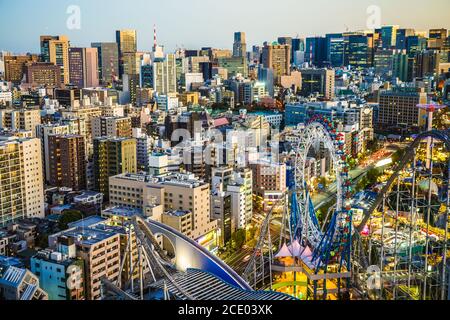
(219, 30)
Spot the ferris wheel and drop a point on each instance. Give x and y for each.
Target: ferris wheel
(329, 243)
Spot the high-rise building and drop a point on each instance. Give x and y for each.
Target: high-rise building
(164, 75)
(383, 62)
(415, 44)
(108, 60)
(127, 43)
(319, 81)
(43, 74)
(99, 250)
(240, 45)
(337, 52)
(43, 132)
(358, 51)
(23, 119)
(112, 156)
(83, 66)
(67, 161)
(55, 49)
(398, 107)
(389, 36)
(402, 35)
(15, 67)
(400, 67)
(316, 51)
(21, 180)
(437, 38)
(111, 127)
(278, 58)
(234, 66)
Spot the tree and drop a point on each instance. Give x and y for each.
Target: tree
(372, 176)
(238, 238)
(67, 217)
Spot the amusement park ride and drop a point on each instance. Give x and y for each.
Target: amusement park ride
(398, 250)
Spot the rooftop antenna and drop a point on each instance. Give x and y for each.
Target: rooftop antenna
(155, 43)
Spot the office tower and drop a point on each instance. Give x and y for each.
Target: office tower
(426, 63)
(55, 49)
(131, 63)
(240, 45)
(112, 156)
(127, 43)
(358, 51)
(415, 44)
(83, 66)
(389, 36)
(131, 84)
(437, 38)
(383, 63)
(108, 60)
(234, 66)
(402, 35)
(67, 96)
(277, 57)
(337, 52)
(147, 76)
(329, 38)
(67, 161)
(23, 119)
(398, 107)
(316, 51)
(319, 81)
(298, 44)
(15, 67)
(43, 74)
(21, 183)
(111, 127)
(285, 40)
(164, 75)
(400, 67)
(265, 75)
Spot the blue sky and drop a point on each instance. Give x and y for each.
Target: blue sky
(196, 23)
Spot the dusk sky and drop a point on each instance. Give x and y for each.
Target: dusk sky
(196, 23)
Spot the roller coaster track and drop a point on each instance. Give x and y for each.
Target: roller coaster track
(443, 136)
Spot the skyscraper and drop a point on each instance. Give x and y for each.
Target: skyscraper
(278, 58)
(55, 49)
(164, 75)
(15, 67)
(337, 52)
(319, 81)
(112, 156)
(83, 66)
(389, 36)
(240, 45)
(67, 161)
(108, 60)
(127, 43)
(402, 35)
(358, 51)
(316, 51)
(22, 182)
